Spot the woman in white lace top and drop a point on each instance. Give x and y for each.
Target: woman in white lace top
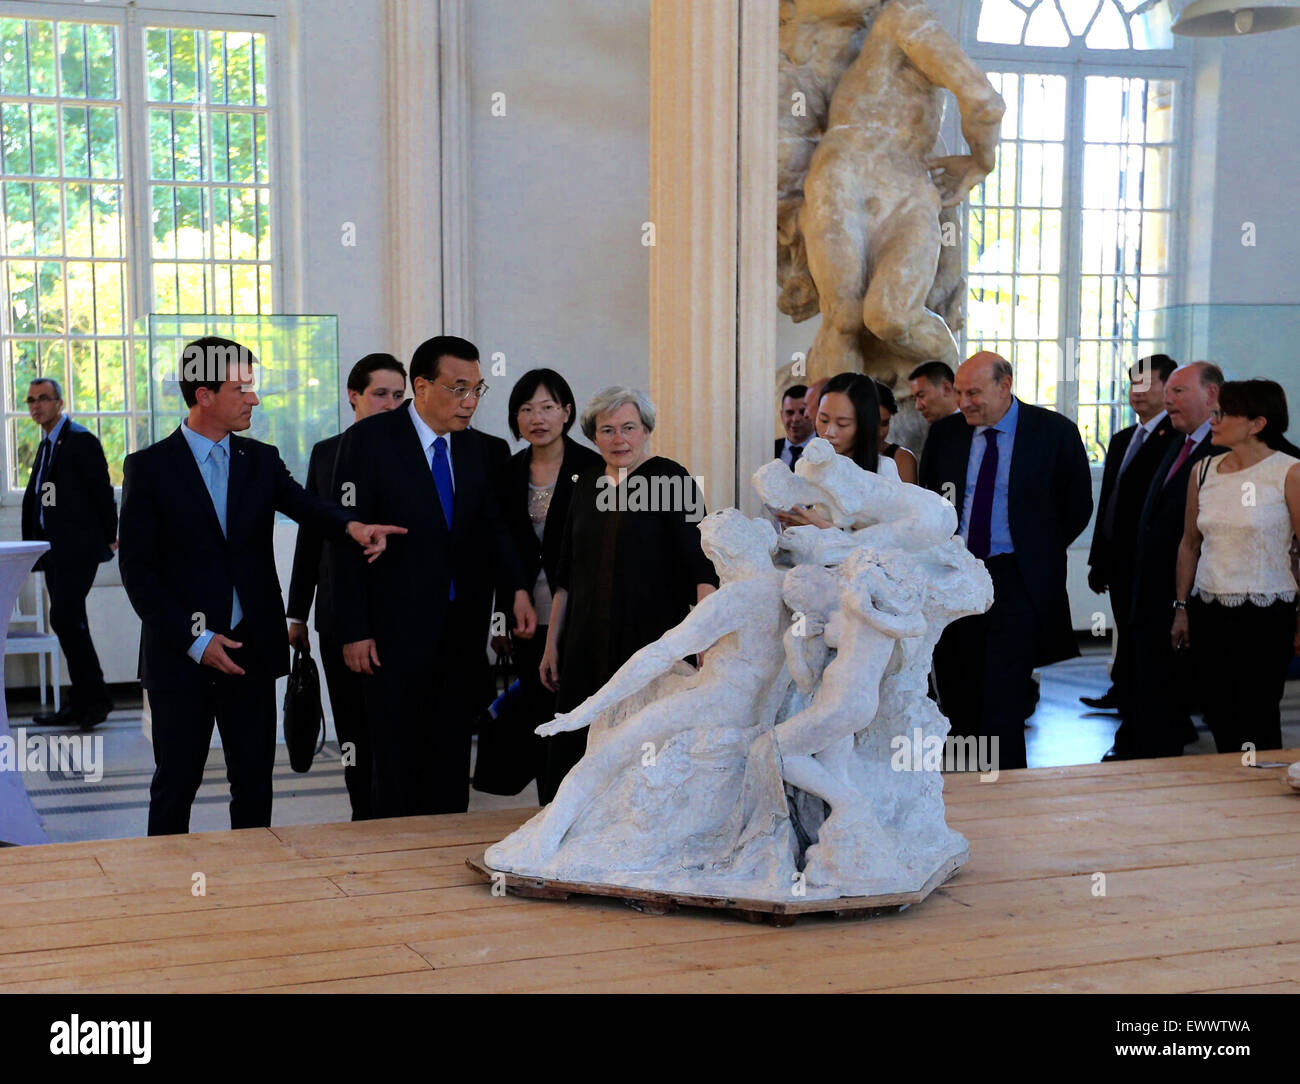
(1236, 600)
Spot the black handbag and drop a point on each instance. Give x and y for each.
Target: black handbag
(304, 721)
(508, 751)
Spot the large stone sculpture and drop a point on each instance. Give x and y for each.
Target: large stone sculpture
(773, 772)
(864, 203)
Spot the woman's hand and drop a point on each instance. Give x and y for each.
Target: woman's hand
(549, 670)
(1180, 635)
(802, 516)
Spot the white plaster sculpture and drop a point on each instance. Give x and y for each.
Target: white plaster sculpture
(774, 772)
(859, 235)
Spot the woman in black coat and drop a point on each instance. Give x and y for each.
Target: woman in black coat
(631, 565)
(535, 499)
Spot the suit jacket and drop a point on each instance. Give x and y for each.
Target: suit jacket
(176, 563)
(401, 600)
(1159, 533)
(81, 523)
(534, 555)
(1049, 502)
(309, 578)
(1112, 554)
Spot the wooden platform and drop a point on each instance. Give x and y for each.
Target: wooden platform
(782, 914)
(1200, 859)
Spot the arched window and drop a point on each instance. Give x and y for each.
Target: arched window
(1074, 233)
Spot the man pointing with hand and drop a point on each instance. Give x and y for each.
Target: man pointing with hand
(197, 562)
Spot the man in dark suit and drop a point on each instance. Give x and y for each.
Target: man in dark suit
(1018, 476)
(377, 383)
(416, 624)
(931, 384)
(198, 512)
(1154, 724)
(69, 503)
(798, 426)
(1131, 461)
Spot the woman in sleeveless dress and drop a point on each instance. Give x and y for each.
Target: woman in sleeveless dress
(1235, 607)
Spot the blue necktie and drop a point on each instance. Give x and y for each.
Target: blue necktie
(979, 531)
(442, 481)
(219, 486)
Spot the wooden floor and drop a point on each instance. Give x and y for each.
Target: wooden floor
(1200, 857)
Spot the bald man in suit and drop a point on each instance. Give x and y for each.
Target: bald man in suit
(1019, 478)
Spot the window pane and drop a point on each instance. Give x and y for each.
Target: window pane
(112, 375)
(45, 140)
(19, 225)
(158, 64)
(41, 59)
(185, 72)
(81, 388)
(76, 148)
(76, 199)
(1045, 26)
(72, 59)
(101, 54)
(108, 298)
(1001, 22)
(49, 220)
(104, 157)
(22, 297)
(17, 138)
(13, 56)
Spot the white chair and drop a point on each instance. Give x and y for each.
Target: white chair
(38, 640)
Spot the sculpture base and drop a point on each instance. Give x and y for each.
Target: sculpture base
(774, 913)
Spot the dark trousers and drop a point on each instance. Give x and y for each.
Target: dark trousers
(984, 663)
(243, 707)
(560, 752)
(1121, 670)
(1155, 720)
(69, 583)
(347, 701)
(420, 724)
(1241, 655)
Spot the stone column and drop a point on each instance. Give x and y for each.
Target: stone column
(713, 263)
(427, 284)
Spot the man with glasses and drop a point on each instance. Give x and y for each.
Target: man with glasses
(376, 384)
(69, 503)
(416, 625)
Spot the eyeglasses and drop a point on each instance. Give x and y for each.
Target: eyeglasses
(629, 429)
(464, 391)
(546, 410)
(32, 400)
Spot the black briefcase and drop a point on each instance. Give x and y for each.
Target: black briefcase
(304, 721)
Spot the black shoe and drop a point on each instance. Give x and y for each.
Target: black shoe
(1109, 702)
(1111, 754)
(65, 716)
(95, 716)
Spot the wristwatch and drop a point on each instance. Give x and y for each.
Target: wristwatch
(1180, 604)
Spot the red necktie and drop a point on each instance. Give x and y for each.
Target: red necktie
(1188, 445)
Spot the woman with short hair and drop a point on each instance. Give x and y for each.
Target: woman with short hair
(1236, 589)
(631, 565)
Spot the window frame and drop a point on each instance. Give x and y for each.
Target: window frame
(261, 16)
(1077, 63)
